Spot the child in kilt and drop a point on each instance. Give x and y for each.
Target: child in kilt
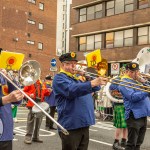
(119, 117)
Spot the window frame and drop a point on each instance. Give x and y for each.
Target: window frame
(32, 1)
(144, 35)
(114, 37)
(85, 44)
(42, 25)
(143, 5)
(42, 6)
(30, 42)
(31, 22)
(40, 43)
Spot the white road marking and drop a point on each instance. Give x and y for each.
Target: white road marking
(103, 125)
(15, 139)
(101, 142)
(93, 130)
(20, 131)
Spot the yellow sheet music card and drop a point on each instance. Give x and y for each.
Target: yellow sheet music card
(93, 58)
(11, 60)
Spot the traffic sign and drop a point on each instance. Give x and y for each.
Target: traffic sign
(115, 68)
(53, 62)
(53, 69)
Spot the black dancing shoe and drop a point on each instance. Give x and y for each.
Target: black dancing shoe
(116, 146)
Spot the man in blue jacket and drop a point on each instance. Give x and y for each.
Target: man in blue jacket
(52, 103)
(74, 103)
(8, 95)
(137, 107)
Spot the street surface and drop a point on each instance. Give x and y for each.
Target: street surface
(101, 135)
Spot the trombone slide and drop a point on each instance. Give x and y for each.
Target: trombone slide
(62, 129)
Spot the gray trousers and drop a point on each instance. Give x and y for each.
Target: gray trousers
(33, 125)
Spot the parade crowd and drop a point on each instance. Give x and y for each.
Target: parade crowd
(71, 92)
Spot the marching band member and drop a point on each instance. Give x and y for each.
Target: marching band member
(8, 95)
(37, 93)
(52, 103)
(137, 108)
(119, 116)
(74, 103)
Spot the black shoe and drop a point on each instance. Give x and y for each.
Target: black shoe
(123, 144)
(116, 146)
(37, 140)
(52, 128)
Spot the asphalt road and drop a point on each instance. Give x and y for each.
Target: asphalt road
(101, 136)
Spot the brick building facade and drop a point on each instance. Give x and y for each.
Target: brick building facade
(120, 28)
(29, 27)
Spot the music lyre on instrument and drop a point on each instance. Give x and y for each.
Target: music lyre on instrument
(29, 73)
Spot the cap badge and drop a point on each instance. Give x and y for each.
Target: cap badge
(133, 65)
(73, 54)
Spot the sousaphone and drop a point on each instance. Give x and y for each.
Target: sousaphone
(143, 59)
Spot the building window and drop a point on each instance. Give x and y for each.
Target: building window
(98, 11)
(41, 26)
(143, 4)
(41, 6)
(32, 1)
(128, 37)
(90, 42)
(110, 40)
(82, 43)
(143, 35)
(119, 6)
(110, 8)
(28, 34)
(64, 7)
(90, 13)
(82, 14)
(40, 46)
(119, 38)
(30, 42)
(129, 5)
(31, 22)
(98, 41)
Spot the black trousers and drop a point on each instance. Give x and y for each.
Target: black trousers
(136, 132)
(77, 139)
(5, 145)
(50, 123)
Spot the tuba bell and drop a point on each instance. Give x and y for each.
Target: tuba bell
(29, 72)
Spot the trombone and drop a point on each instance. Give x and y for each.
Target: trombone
(118, 82)
(29, 74)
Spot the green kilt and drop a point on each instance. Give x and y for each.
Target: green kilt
(119, 116)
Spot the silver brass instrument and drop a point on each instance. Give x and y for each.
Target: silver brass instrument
(29, 74)
(143, 59)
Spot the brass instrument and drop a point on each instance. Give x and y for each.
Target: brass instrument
(29, 74)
